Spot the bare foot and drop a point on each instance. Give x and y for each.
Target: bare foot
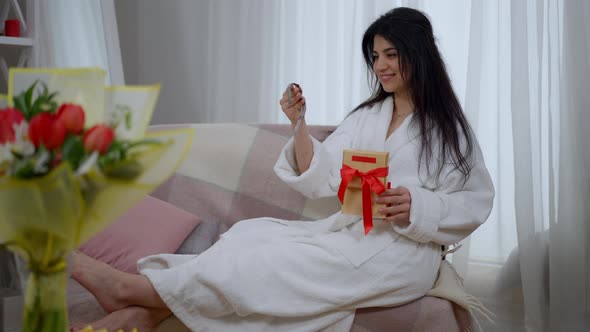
(141, 318)
(106, 283)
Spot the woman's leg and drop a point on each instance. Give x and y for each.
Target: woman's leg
(114, 289)
(141, 318)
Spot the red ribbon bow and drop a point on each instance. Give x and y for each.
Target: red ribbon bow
(369, 182)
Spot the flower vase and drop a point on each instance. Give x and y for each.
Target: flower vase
(45, 301)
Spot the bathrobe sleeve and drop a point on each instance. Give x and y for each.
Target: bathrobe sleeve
(322, 179)
(455, 209)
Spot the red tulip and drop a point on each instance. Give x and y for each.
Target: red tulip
(98, 138)
(72, 116)
(38, 124)
(47, 129)
(8, 118)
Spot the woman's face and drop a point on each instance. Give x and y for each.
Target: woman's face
(386, 66)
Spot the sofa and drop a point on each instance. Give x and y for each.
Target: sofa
(228, 176)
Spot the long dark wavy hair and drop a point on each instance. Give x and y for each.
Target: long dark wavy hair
(436, 107)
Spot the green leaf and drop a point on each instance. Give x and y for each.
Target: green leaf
(20, 104)
(51, 96)
(29, 93)
(48, 107)
(16, 155)
(24, 169)
(36, 107)
(128, 120)
(147, 141)
(73, 151)
(31, 106)
(110, 158)
(126, 170)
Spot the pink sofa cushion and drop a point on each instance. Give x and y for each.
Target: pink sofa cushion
(150, 227)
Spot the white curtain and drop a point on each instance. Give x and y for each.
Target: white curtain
(79, 33)
(528, 61)
(258, 47)
(569, 237)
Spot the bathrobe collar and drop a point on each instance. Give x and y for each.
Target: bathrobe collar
(379, 117)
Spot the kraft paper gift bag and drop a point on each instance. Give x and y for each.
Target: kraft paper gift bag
(364, 176)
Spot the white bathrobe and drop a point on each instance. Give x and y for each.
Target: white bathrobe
(267, 274)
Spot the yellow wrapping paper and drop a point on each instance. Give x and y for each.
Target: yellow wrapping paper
(127, 105)
(82, 86)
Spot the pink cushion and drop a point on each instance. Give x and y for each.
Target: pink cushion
(151, 227)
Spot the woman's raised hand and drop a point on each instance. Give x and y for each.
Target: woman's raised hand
(293, 106)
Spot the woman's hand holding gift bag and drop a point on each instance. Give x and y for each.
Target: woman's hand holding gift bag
(398, 204)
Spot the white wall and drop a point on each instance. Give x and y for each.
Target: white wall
(126, 12)
(165, 42)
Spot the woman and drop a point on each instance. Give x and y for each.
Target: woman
(275, 275)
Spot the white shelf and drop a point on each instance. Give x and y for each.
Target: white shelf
(17, 51)
(15, 41)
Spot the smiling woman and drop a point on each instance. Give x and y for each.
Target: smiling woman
(387, 67)
(403, 55)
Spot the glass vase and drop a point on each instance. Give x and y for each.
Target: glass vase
(45, 301)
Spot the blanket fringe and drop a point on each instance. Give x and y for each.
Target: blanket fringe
(474, 306)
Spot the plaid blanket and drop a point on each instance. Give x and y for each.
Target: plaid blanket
(228, 176)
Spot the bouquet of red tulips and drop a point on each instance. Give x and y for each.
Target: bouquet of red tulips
(69, 166)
